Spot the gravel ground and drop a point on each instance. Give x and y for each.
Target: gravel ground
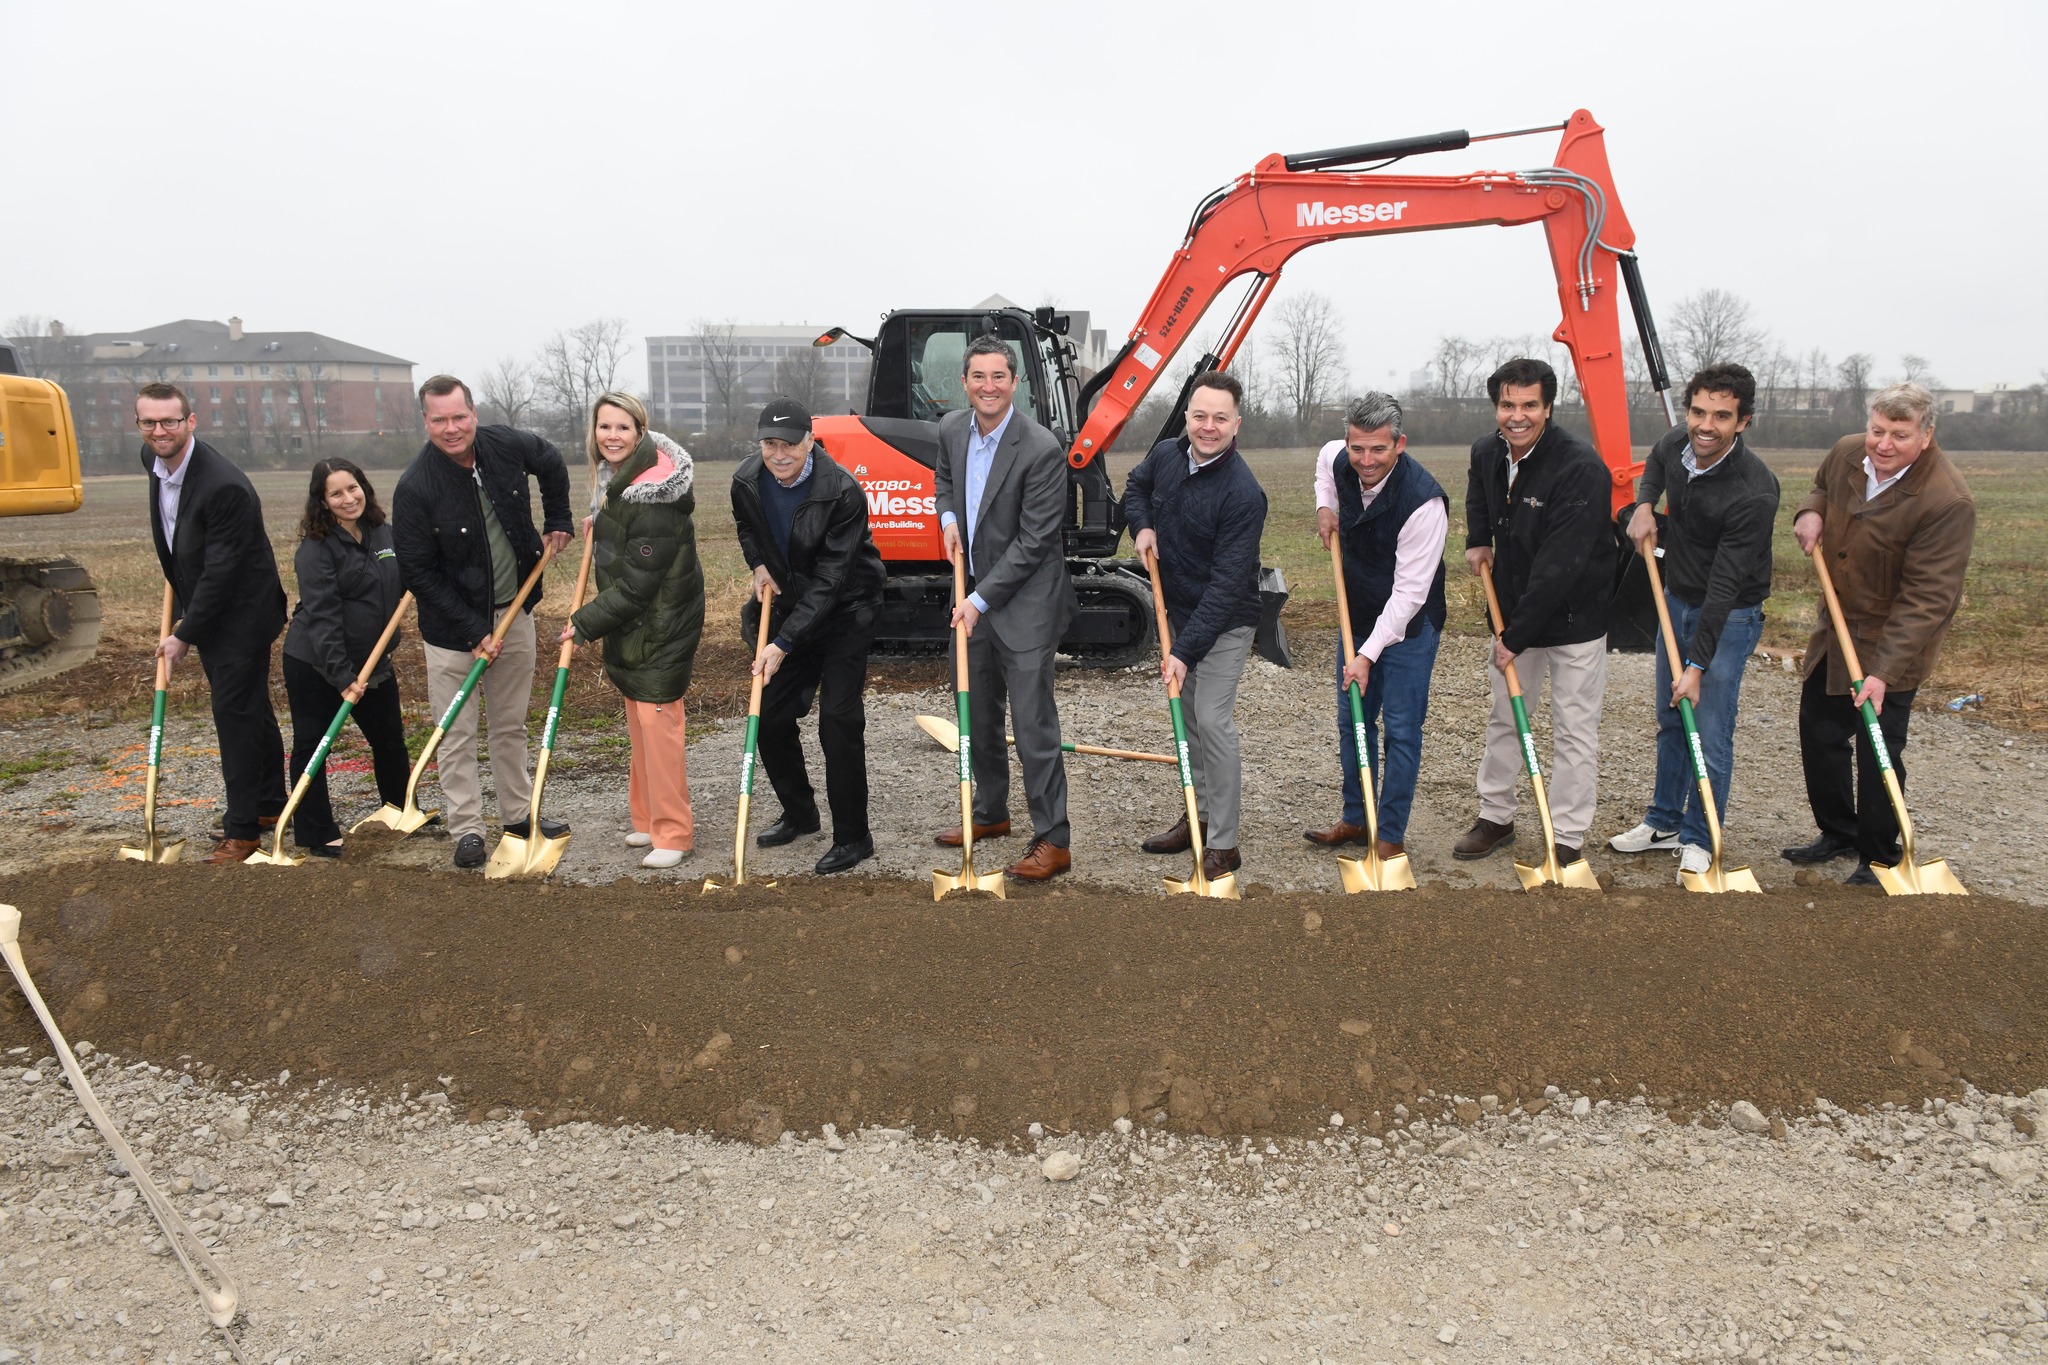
(1981, 805)
(389, 1230)
(381, 1228)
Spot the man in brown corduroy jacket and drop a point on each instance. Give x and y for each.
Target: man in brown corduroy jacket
(1894, 520)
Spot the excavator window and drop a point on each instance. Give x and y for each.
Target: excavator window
(917, 364)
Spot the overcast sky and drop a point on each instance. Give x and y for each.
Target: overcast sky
(452, 182)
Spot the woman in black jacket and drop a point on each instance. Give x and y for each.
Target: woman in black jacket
(348, 588)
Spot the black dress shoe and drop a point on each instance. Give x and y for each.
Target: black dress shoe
(1862, 876)
(523, 829)
(1821, 850)
(469, 851)
(322, 850)
(788, 830)
(842, 856)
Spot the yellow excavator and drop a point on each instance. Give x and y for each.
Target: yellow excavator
(49, 608)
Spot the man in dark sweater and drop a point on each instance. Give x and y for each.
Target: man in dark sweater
(207, 523)
(1536, 504)
(803, 526)
(1720, 502)
(1195, 503)
(462, 524)
(1392, 518)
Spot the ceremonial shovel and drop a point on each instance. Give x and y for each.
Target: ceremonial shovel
(968, 879)
(1225, 886)
(154, 849)
(748, 756)
(1579, 874)
(1716, 877)
(536, 854)
(277, 857)
(1908, 878)
(948, 734)
(1370, 873)
(412, 817)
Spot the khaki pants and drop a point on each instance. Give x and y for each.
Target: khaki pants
(1577, 676)
(505, 693)
(658, 787)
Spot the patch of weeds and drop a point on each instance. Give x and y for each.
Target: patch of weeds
(15, 772)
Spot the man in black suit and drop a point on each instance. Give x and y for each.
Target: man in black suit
(1002, 495)
(229, 604)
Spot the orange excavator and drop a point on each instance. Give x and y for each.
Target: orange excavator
(1246, 231)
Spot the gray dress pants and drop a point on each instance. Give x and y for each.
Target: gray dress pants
(1208, 701)
(1023, 678)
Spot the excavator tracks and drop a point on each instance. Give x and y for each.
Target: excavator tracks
(49, 619)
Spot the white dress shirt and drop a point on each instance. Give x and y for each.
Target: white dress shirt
(1873, 485)
(170, 487)
(1417, 551)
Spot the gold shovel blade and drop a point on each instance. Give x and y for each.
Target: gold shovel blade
(547, 852)
(1374, 873)
(155, 850)
(1223, 888)
(276, 858)
(1925, 879)
(401, 821)
(967, 879)
(1579, 875)
(509, 858)
(1717, 879)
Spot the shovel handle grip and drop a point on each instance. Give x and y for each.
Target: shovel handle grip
(1500, 627)
(163, 667)
(1159, 611)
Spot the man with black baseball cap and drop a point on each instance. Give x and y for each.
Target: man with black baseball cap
(803, 526)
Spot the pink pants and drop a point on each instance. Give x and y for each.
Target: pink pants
(659, 788)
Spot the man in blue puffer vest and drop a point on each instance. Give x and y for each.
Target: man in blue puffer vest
(1392, 517)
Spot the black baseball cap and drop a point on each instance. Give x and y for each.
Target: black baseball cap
(784, 419)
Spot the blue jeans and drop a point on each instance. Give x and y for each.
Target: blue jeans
(1676, 802)
(1396, 692)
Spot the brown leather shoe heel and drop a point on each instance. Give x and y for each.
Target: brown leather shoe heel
(1387, 850)
(951, 838)
(1483, 838)
(232, 851)
(1219, 862)
(1041, 862)
(1337, 835)
(1173, 840)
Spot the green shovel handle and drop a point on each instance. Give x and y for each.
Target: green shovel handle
(750, 755)
(455, 704)
(1692, 740)
(1180, 743)
(1884, 758)
(1358, 729)
(156, 729)
(1528, 737)
(547, 733)
(960, 711)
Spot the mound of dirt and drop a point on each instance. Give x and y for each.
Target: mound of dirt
(860, 1002)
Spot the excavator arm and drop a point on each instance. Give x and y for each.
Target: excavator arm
(1255, 225)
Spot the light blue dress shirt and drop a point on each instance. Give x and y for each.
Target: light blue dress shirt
(981, 455)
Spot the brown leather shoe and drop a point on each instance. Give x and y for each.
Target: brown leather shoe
(1173, 840)
(1041, 862)
(264, 824)
(1387, 850)
(1337, 835)
(232, 851)
(1483, 838)
(951, 838)
(1217, 862)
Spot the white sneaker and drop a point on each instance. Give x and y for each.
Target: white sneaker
(638, 840)
(663, 857)
(1645, 839)
(1693, 858)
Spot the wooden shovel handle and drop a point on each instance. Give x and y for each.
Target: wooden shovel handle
(576, 598)
(383, 643)
(1343, 598)
(760, 649)
(1841, 623)
(1159, 609)
(1664, 616)
(959, 631)
(163, 668)
(547, 557)
(1500, 624)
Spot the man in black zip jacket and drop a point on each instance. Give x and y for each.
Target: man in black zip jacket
(1536, 501)
(1720, 504)
(1195, 503)
(207, 523)
(462, 523)
(803, 526)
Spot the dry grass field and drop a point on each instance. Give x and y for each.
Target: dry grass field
(1996, 647)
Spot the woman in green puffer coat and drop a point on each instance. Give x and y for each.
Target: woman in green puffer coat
(649, 610)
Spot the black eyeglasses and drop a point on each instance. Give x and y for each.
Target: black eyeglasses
(161, 423)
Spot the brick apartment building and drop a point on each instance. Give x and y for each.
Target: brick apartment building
(263, 398)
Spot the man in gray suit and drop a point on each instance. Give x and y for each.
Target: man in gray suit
(1002, 486)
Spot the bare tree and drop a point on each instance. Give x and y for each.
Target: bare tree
(1853, 403)
(30, 333)
(508, 390)
(576, 366)
(1454, 368)
(1774, 370)
(1817, 381)
(1714, 326)
(1309, 356)
(725, 371)
(1917, 370)
(801, 375)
